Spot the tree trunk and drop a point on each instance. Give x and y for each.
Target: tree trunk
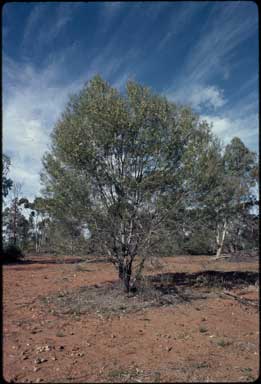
(126, 281)
(220, 240)
(125, 275)
(36, 234)
(14, 222)
(71, 246)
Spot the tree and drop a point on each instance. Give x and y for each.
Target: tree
(240, 177)
(131, 158)
(16, 226)
(230, 192)
(66, 203)
(6, 182)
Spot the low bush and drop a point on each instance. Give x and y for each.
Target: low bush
(12, 254)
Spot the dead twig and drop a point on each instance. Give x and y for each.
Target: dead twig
(240, 299)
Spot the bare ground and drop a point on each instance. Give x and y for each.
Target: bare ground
(69, 322)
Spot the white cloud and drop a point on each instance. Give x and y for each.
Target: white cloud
(227, 127)
(229, 119)
(198, 96)
(209, 96)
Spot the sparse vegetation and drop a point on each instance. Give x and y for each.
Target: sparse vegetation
(223, 343)
(203, 329)
(60, 334)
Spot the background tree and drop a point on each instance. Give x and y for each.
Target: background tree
(16, 227)
(6, 182)
(135, 157)
(229, 180)
(238, 178)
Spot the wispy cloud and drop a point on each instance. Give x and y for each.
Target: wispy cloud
(33, 21)
(223, 32)
(61, 15)
(180, 20)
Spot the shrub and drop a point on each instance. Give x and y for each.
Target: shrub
(11, 254)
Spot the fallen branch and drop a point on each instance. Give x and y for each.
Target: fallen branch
(240, 299)
(98, 260)
(221, 257)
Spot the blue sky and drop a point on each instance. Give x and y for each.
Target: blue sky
(204, 54)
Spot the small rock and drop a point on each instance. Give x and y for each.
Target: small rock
(40, 360)
(24, 357)
(35, 369)
(47, 348)
(53, 358)
(61, 347)
(113, 336)
(37, 361)
(71, 333)
(38, 380)
(203, 319)
(81, 354)
(75, 348)
(169, 349)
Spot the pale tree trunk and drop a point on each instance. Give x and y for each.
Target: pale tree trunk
(221, 234)
(36, 234)
(15, 221)
(71, 246)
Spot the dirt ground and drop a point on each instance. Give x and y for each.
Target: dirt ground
(211, 338)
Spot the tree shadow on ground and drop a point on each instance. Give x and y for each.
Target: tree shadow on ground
(163, 289)
(219, 279)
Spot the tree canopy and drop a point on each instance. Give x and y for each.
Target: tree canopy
(122, 163)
